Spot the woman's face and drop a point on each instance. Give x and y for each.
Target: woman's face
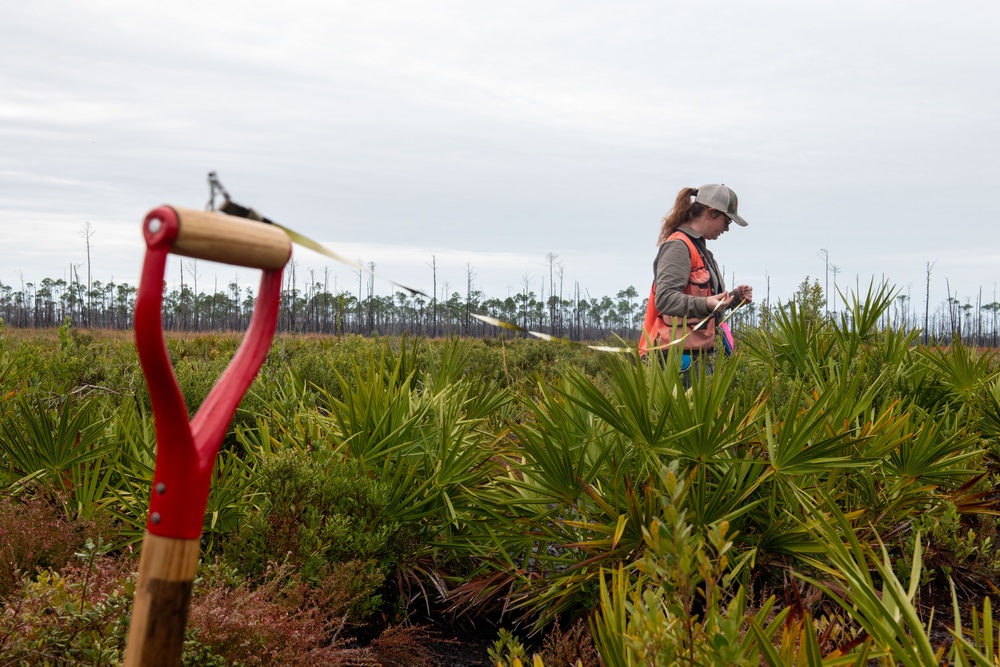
(715, 224)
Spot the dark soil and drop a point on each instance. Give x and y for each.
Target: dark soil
(462, 644)
(464, 652)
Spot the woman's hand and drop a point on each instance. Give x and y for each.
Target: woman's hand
(719, 301)
(742, 294)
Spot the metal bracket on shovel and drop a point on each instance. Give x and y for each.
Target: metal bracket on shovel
(186, 450)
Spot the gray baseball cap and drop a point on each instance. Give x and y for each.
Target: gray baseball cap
(721, 199)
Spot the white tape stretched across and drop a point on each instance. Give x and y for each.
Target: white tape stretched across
(306, 242)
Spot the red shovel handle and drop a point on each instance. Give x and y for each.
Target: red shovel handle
(186, 451)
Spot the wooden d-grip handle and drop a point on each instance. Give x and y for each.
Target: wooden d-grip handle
(217, 237)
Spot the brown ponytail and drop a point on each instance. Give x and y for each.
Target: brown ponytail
(685, 210)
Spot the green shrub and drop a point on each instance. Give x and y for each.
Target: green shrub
(312, 515)
(77, 616)
(507, 649)
(957, 547)
(681, 608)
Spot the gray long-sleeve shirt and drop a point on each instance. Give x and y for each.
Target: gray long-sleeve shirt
(672, 269)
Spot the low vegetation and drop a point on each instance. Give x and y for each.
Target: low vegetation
(827, 497)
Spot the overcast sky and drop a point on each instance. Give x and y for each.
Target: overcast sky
(493, 134)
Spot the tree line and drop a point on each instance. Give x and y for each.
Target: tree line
(310, 306)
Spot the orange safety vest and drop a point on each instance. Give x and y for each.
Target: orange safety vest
(659, 329)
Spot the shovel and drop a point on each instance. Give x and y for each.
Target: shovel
(186, 450)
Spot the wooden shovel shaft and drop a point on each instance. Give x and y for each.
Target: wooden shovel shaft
(162, 595)
(229, 240)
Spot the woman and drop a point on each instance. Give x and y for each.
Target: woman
(688, 293)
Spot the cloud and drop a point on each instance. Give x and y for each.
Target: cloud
(495, 134)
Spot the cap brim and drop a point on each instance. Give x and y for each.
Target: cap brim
(739, 221)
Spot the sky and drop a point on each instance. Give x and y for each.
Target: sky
(499, 140)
